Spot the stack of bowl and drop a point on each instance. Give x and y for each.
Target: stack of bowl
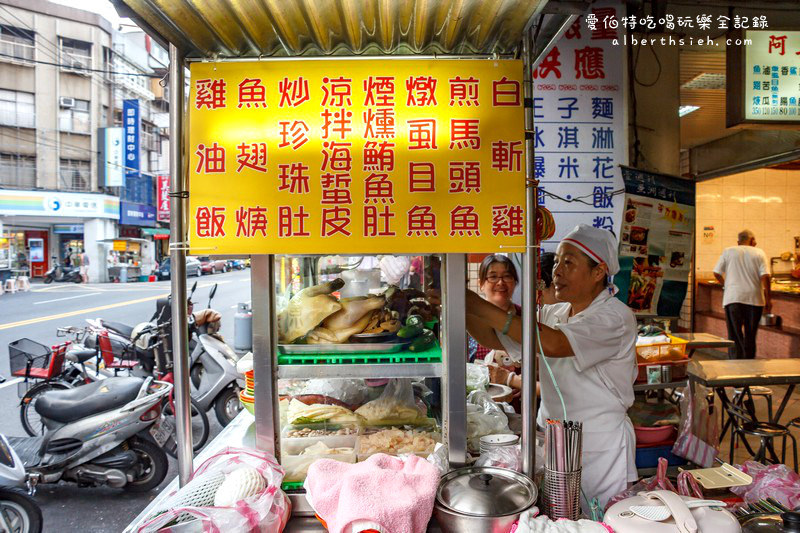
(246, 396)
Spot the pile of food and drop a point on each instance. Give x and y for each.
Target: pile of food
(300, 413)
(395, 441)
(307, 432)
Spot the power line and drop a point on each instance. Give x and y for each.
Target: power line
(116, 73)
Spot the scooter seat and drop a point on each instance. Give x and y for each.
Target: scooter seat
(81, 355)
(122, 329)
(73, 404)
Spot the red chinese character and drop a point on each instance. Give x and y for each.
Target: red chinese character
(378, 156)
(210, 93)
(380, 91)
(777, 43)
(505, 92)
(464, 133)
(549, 65)
(335, 220)
(336, 92)
(465, 176)
(210, 222)
(421, 91)
(335, 189)
(287, 219)
(421, 221)
(422, 134)
(294, 134)
(464, 91)
(251, 92)
(293, 178)
(252, 156)
(336, 156)
(574, 31)
(378, 188)
(603, 29)
(464, 221)
(508, 220)
(507, 155)
(589, 63)
(340, 122)
(421, 177)
(293, 92)
(379, 123)
(373, 217)
(211, 159)
(251, 221)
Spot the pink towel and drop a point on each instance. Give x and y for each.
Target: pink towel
(398, 494)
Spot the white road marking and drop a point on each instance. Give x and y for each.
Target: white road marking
(66, 298)
(11, 382)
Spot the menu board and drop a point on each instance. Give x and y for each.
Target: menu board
(772, 78)
(356, 156)
(656, 242)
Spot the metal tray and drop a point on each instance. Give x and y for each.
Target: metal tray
(362, 347)
(384, 337)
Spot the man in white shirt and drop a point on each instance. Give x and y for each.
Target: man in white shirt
(743, 271)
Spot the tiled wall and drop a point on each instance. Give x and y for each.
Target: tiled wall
(765, 201)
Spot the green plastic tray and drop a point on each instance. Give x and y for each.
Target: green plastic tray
(432, 355)
(291, 485)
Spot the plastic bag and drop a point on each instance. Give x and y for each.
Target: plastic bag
(688, 485)
(657, 482)
(484, 417)
(353, 392)
(477, 377)
(509, 457)
(774, 481)
(396, 405)
(698, 433)
(266, 511)
(439, 458)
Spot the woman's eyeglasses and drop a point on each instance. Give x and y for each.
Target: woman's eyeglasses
(507, 278)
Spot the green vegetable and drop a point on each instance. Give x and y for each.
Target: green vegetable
(410, 332)
(414, 320)
(423, 342)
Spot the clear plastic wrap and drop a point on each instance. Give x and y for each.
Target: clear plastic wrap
(396, 405)
(484, 417)
(774, 481)
(509, 457)
(477, 377)
(439, 458)
(698, 433)
(350, 391)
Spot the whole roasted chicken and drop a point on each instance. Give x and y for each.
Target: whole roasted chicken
(352, 318)
(307, 309)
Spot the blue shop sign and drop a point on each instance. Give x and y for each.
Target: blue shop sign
(137, 214)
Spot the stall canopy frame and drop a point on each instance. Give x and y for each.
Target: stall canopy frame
(252, 29)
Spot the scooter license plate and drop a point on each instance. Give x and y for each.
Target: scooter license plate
(162, 430)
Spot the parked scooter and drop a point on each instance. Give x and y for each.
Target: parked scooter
(63, 273)
(105, 433)
(19, 512)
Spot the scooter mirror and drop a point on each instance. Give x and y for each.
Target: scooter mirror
(191, 292)
(212, 293)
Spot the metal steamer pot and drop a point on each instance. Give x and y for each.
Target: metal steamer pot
(771, 523)
(482, 499)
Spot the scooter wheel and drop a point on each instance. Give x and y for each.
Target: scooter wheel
(151, 468)
(48, 280)
(31, 420)
(227, 405)
(20, 511)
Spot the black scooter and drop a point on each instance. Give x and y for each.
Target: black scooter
(63, 273)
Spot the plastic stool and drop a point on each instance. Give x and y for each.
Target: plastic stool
(10, 285)
(23, 285)
(764, 392)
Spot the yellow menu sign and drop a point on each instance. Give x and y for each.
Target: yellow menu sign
(356, 156)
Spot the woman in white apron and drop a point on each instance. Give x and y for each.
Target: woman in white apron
(589, 340)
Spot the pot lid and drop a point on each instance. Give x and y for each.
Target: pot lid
(486, 491)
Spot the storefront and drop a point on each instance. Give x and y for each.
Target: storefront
(41, 227)
(160, 238)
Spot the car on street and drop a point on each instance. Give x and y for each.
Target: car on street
(192, 268)
(212, 266)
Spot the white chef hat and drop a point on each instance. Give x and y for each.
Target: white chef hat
(597, 243)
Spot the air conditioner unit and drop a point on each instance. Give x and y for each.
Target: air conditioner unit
(66, 101)
(78, 65)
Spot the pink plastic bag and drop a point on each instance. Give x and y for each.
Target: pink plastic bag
(658, 482)
(773, 481)
(267, 511)
(698, 433)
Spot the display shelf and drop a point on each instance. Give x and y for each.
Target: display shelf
(373, 371)
(432, 355)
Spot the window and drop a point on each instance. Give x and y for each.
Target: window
(75, 175)
(16, 42)
(17, 170)
(17, 109)
(75, 54)
(75, 119)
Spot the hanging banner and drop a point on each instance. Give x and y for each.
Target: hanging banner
(357, 156)
(162, 184)
(132, 124)
(580, 135)
(655, 251)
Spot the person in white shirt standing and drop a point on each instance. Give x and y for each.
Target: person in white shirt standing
(743, 271)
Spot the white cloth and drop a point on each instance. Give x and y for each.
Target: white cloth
(529, 522)
(742, 267)
(597, 243)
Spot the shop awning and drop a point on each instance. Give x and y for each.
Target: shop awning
(253, 28)
(155, 231)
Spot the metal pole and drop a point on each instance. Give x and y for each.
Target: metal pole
(177, 245)
(262, 294)
(454, 371)
(530, 325)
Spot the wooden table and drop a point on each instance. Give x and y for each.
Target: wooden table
(698, 341)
